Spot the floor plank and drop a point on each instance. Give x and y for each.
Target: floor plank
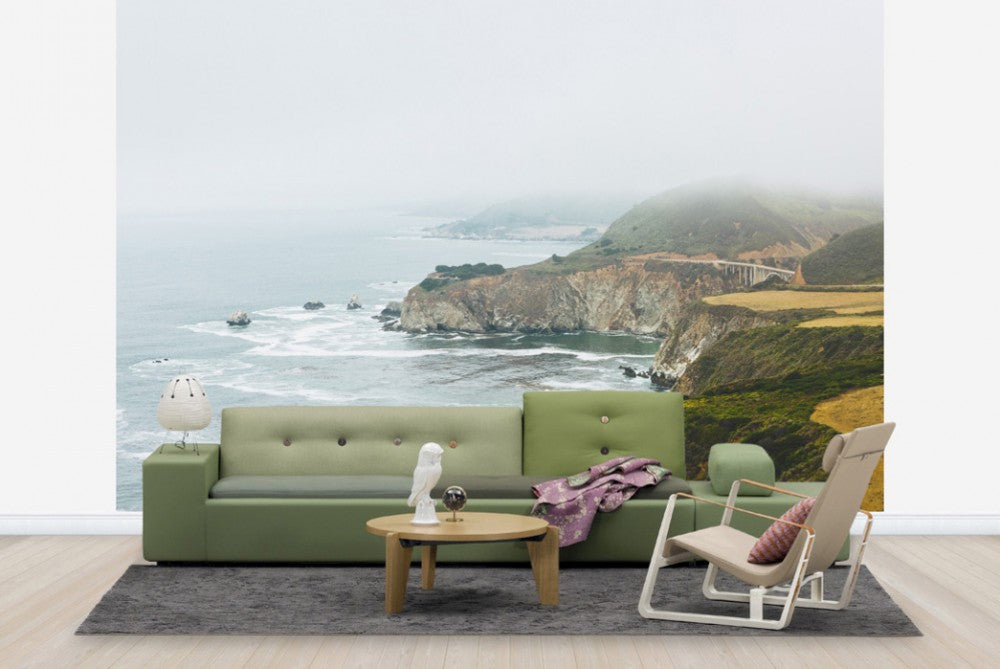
(333, 651)
(286, 651)
(494, 652)
(48, 584)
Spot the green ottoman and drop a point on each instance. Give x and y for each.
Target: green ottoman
(731, 462)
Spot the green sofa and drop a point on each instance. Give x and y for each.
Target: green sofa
(298, 483)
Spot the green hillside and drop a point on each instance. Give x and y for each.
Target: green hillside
(761, 386)
(776, 351)
(728, 217)
(855, 257)
(774, 413)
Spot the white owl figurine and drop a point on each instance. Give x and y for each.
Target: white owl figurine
(425, 476)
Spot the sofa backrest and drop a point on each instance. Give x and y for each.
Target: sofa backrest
(294, 440)
(566, 432)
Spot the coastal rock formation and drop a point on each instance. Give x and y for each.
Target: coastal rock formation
(238, 318)
(696, 332)
(354, 302)
(389, 316)
(313, 306)
(392, 310)
(635, 298)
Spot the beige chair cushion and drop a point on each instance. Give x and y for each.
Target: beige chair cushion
(727, 548)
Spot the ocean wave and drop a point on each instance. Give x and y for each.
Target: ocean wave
(581, 384)
(293, 349)
(251, 387)
(203, 368)
(290, 332)
(256, 335)
(317, 350)
(399, 286)
(269, 332)
(331, 313)
(142, 438)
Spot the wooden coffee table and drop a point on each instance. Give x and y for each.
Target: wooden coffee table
(401, 536)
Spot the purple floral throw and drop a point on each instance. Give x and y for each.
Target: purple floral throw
(571, 503)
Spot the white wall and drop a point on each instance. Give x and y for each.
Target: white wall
(942, 249)
(57, 207)
(57, 179)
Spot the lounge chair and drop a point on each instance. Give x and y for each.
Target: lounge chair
(849, 460)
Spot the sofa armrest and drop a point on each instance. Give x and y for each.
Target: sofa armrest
(175, 486)
(732, 462)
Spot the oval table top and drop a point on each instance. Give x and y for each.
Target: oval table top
(472, 527)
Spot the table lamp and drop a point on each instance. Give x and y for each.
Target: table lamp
(184, 407)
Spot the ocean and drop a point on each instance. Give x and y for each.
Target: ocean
(180, 276)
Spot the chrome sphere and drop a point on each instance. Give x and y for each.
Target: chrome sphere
(454, 498)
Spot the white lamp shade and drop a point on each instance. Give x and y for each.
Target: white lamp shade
(184, 405)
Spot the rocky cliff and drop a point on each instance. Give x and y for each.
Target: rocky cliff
(636, 298)
(698, 329)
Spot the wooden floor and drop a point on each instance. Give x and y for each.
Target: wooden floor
(950, 587)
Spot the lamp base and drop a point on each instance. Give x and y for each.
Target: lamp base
(182, 446)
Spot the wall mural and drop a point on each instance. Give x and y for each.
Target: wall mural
(761, 301)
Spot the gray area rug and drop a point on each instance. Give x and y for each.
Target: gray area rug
(489, 600)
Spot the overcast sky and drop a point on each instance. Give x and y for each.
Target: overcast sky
(320, 104)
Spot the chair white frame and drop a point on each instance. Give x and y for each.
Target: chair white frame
(757, 596)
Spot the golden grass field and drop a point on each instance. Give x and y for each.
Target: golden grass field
(843, 321)
(779, 300)
(853, 409)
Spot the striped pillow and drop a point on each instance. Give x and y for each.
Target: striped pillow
(775, 543)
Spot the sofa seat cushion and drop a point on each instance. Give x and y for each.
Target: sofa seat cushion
(519, 487)
(298, 487)
(382, 486)
(490, 487)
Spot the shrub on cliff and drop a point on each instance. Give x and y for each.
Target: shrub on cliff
(445, 274)
(430, 283)
(469, 271)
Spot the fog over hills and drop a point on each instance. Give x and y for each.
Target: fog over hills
(581, 216)
(734, 219)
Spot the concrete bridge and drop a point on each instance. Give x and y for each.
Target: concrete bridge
(750, 274)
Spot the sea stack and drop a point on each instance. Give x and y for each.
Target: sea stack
(393, 309)
(354, 302)
(239, 318)
(313, 306)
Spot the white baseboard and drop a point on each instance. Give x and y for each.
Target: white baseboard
(122, 522)
(905, 523)
(130, 522)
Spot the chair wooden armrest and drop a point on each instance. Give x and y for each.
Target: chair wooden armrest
(732, 507)
(771, 487)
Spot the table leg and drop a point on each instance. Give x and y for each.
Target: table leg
(397, 570)
(545, 566)
(428, 558)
